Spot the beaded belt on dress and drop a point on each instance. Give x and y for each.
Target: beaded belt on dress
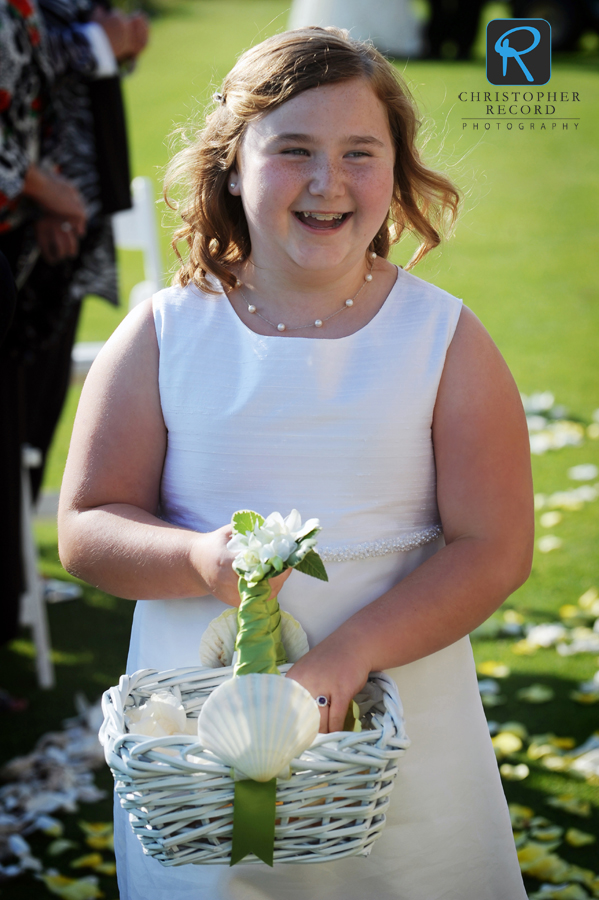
(381, 547)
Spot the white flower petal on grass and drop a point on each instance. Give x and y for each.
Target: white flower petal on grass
(549, 542)
(584, 472)
(540, 402)
(546, 635)
(488, 686)
(550, 519)
(536, 422)
(536, 693)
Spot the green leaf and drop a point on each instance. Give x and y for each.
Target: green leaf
(304, 548)
(244, 520)
(312, 565)
(310, 535)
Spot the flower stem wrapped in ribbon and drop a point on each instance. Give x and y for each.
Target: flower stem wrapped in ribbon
(257, 725)
(265, 548)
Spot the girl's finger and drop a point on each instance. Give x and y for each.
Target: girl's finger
(324, 720)
(278, 581)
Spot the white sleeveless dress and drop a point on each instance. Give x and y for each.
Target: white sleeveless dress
(339, 429)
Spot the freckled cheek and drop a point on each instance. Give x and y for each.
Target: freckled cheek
(270, 192)
(374, 193)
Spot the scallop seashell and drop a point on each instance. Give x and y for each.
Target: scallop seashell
(218, 641)
(295, 640)
(258, 723)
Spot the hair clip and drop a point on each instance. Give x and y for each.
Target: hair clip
(218, 98)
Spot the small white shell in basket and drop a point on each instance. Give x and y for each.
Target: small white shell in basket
(218, 641)
(258, 723)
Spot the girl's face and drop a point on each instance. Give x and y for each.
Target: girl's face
(315, 177)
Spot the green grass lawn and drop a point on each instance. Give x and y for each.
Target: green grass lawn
(524, 258)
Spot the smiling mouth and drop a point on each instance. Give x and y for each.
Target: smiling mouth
(322, 221)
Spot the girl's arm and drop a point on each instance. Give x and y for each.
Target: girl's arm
(109, 532)
(484, 493)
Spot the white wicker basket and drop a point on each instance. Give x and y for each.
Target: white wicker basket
(179, 795)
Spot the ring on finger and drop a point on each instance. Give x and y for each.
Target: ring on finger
(323, 701)
(66, 227)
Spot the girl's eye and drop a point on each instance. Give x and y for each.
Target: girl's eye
(296, 151)
(358, 153)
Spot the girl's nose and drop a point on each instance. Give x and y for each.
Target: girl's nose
(326, 180)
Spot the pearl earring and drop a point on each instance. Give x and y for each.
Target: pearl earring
(233, 184)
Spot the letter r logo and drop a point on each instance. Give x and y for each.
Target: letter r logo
(518, 51)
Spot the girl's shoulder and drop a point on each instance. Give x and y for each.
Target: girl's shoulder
(422, 306)
(415, 290)
(177, 308)
(190, 296)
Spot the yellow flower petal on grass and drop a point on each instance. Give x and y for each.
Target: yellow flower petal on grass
(493, 669)
(512, 617)
(563, 743)
(548, 868)
(587, 698)
(99, 835)
(538, 751)
(506, 743)
(531, 853)
(73, 888)
(569, 611)
(556, 763)
(547, 833)
(514, 773)
(537, 859)
(584, 876)
(586, 600)
(520, 816)
(571, 804)
(90, 861)
(524, 648)
(579, 838)
(536, 693)
(107, 868)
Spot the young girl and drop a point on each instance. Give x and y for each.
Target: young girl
(293, 366)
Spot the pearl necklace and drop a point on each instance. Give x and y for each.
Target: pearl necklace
(317, 323)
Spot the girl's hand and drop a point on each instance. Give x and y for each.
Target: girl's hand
(214, 565)
(335, 671)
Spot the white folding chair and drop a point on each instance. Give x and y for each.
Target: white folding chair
(137, 229)
(32, 611)
(134, 229)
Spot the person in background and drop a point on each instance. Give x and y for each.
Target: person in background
(60, 179)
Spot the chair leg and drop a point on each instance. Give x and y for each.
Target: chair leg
(33, 605)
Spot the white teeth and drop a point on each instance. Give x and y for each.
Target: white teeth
(322, 217)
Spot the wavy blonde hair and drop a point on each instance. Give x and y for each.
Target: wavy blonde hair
(214, 225)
